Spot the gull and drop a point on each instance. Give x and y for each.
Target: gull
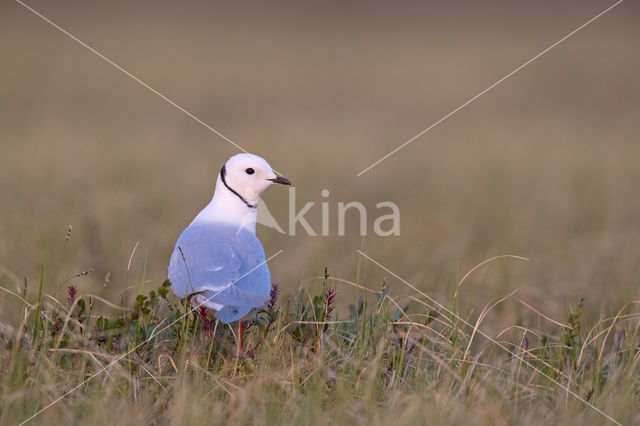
(218, 262)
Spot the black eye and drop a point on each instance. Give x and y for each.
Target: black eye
(250, 171)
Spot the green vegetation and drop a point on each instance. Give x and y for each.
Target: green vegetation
(389, 359)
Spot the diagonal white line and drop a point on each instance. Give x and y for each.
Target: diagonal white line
(153, 334)
(128, 74)
(519, 357)
(490, 87)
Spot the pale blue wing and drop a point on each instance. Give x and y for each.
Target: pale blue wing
(224, 265)
(209, 263)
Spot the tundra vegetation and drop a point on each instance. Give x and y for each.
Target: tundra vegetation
(388, 358)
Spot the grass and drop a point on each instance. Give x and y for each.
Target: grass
(388, 358)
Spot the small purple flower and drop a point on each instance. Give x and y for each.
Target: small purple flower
(329, 296)
(206, 322)
(72, 290)
(273, 297)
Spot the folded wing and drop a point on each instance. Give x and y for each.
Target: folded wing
(224, 266)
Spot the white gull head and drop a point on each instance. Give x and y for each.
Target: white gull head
(241, 181)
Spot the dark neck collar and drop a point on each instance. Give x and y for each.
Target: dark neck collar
(223, 172)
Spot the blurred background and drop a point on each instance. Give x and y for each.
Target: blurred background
(545, 166)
